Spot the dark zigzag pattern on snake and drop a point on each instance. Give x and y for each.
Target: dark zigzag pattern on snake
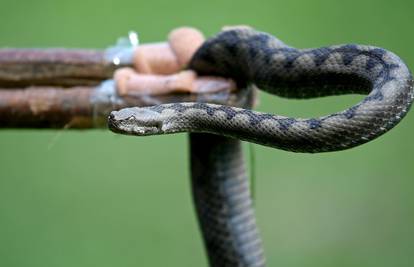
(254, 119)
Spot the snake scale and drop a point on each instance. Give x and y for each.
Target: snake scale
(219, 181)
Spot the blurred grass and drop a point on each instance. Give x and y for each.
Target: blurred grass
(96, 199)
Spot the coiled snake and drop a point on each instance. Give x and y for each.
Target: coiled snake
(220, 187)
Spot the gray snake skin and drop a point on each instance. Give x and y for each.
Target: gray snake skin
(220, 190)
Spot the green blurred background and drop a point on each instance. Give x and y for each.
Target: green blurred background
(91, 198)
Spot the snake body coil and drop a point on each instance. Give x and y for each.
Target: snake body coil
(251, 57)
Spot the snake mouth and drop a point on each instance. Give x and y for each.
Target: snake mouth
(134, 122)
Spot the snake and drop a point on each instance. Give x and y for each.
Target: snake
(220, 185)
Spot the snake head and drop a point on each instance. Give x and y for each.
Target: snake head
(136, 121)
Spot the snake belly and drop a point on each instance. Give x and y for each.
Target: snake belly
(251, 57)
